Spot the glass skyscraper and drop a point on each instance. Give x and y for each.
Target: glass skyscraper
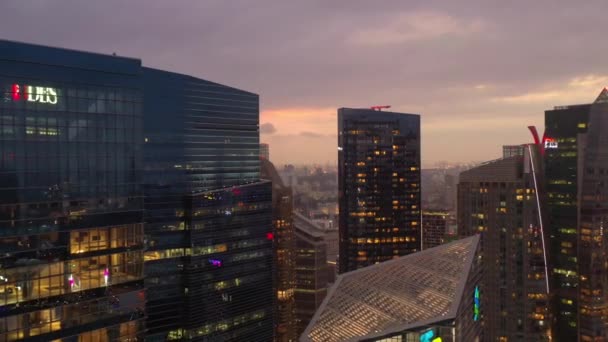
(87, 200)
(71, 206)
(379, 186)
(564, 125)
(208, 217)
(576, 157)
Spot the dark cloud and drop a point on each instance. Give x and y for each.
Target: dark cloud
(267, 128)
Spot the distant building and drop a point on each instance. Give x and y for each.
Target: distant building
(265, 151)
(512, 150)
(312, 272)
(502, 201)
(284, 254)
(288, 174)
(434, 228)
(576, 164)
(379, 186)
(432, 295)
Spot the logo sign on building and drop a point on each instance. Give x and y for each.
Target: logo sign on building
(550, 143)
(34, 94)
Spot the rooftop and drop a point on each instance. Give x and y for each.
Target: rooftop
(404, 293)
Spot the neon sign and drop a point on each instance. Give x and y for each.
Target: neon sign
(476, 304)
(215, 262)
(429, 336)
(34, 94)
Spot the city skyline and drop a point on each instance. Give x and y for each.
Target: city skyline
(473, 74)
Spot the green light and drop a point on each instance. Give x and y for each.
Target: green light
(476, 304)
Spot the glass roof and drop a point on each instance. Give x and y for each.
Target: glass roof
(415, 288)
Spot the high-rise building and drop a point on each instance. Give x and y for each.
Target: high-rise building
(513, 150)
(284, 254)
(265, 151)
(576, 162)
(379, 186)
(430, 296)
(75, 168)
(71, 205)
(312, 271)
(208, 216)
(502, 200)
(434, 228)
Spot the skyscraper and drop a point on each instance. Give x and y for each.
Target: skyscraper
(312, 270)
(379, 186)
(434, 227)
(502, 200)
(576, 159)
(77, 229)
(208, 216)
(284, 254)
(71, 205)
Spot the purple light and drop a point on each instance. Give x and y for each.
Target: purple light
(215, 262)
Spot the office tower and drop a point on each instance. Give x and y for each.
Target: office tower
(432, 295)
(434, 225)
(265, 151)
(576, 159)
(379, 186)
(284, 255)
(312, 271)
(451, 189)
(512, 150)
(208, 216)
(71, 206)
(502, 201)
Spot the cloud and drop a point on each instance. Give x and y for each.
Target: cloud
(417, 26)
(472, 71)
(267, 128)
(313, 135)
(579, 89)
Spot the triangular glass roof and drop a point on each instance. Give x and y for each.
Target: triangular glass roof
(416, 288)
(603, 97)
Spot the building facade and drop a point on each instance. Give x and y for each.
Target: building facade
(284, 254)
(562, 172)
(512, 150)
(503, 201)
(312, 271)
(208, 216)
(71, 205)
(576, 158)
(379, 186)
(434, 228)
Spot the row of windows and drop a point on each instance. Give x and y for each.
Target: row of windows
(41, 281)
(41, 322)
